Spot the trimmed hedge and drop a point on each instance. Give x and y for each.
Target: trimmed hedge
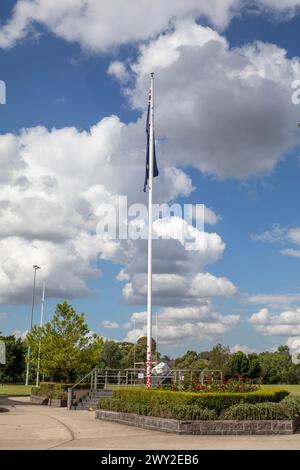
(180, 412)
(55, 390)
(35, 391)
(288, 408)
(213, 401)
(186, 407)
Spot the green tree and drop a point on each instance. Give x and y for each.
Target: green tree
(190, 360)
(127, 355)
(219, 358)
(111, 355)
(138, 351)
(277, 367)
(167, 359)
(239, 363)
(283, 349)
(15, 365)
(68, 349)
(254, 366)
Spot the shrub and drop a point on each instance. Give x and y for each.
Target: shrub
(238, 385)
(286, 409)
(45, 387)
(181, 412)
(35, 390)
(194, 406)
(55, 390)
(51, 390)
(247, 411)
(215, 383)
(212, 401)
(59, 394)
(292, 403)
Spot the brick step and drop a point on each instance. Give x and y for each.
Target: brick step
(101, 393)
(90, 400)
(92, 397)
(86, 407)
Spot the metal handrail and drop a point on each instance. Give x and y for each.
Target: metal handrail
(164, 377)
(96, 372)
(87, 375)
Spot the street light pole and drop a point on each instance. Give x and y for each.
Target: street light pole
(35, 267)
(41, 325)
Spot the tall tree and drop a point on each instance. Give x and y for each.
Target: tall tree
(111, 355)
(239, 363)
(219, 358)
(254, 366)
(68, 349)
(190, 360)
(139, 351)
(15, 359)
(277, 367)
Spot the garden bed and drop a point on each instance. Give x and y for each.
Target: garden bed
(222, 427)
(51, 393)
(141, 400)
(257, 412)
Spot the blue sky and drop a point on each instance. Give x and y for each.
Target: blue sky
(56, 79)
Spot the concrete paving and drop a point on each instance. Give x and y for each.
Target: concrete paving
(28, 426)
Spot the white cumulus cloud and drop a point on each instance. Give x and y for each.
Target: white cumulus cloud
(110, 324)
(99, 26)
(241, 347)
(183, 324)
(225, 111)
(286, 323)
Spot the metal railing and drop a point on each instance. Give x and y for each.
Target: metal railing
(114, 378)
(110, 379)
(84, 379)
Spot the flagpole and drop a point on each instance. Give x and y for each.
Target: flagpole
(41, 324)
(149, 289)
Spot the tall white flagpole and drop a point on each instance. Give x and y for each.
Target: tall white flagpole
(156, 338)
(150, 182)
(41, 324)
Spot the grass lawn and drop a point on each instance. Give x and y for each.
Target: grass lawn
(15, 390)
(293, 389)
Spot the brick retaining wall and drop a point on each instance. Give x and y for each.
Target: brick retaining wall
(58, 403)
(39, 400)
(201, 427)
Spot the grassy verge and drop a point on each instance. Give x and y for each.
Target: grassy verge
(15, 390)
(293, 389)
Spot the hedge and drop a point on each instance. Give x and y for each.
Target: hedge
(171, 411)
(214, 401)
(288, 408)
(55, 389)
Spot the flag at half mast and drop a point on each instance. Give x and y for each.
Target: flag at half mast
(155, 168)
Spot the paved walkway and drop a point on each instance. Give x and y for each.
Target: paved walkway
(28, 426)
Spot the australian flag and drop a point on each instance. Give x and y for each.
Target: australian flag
(155, 169)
